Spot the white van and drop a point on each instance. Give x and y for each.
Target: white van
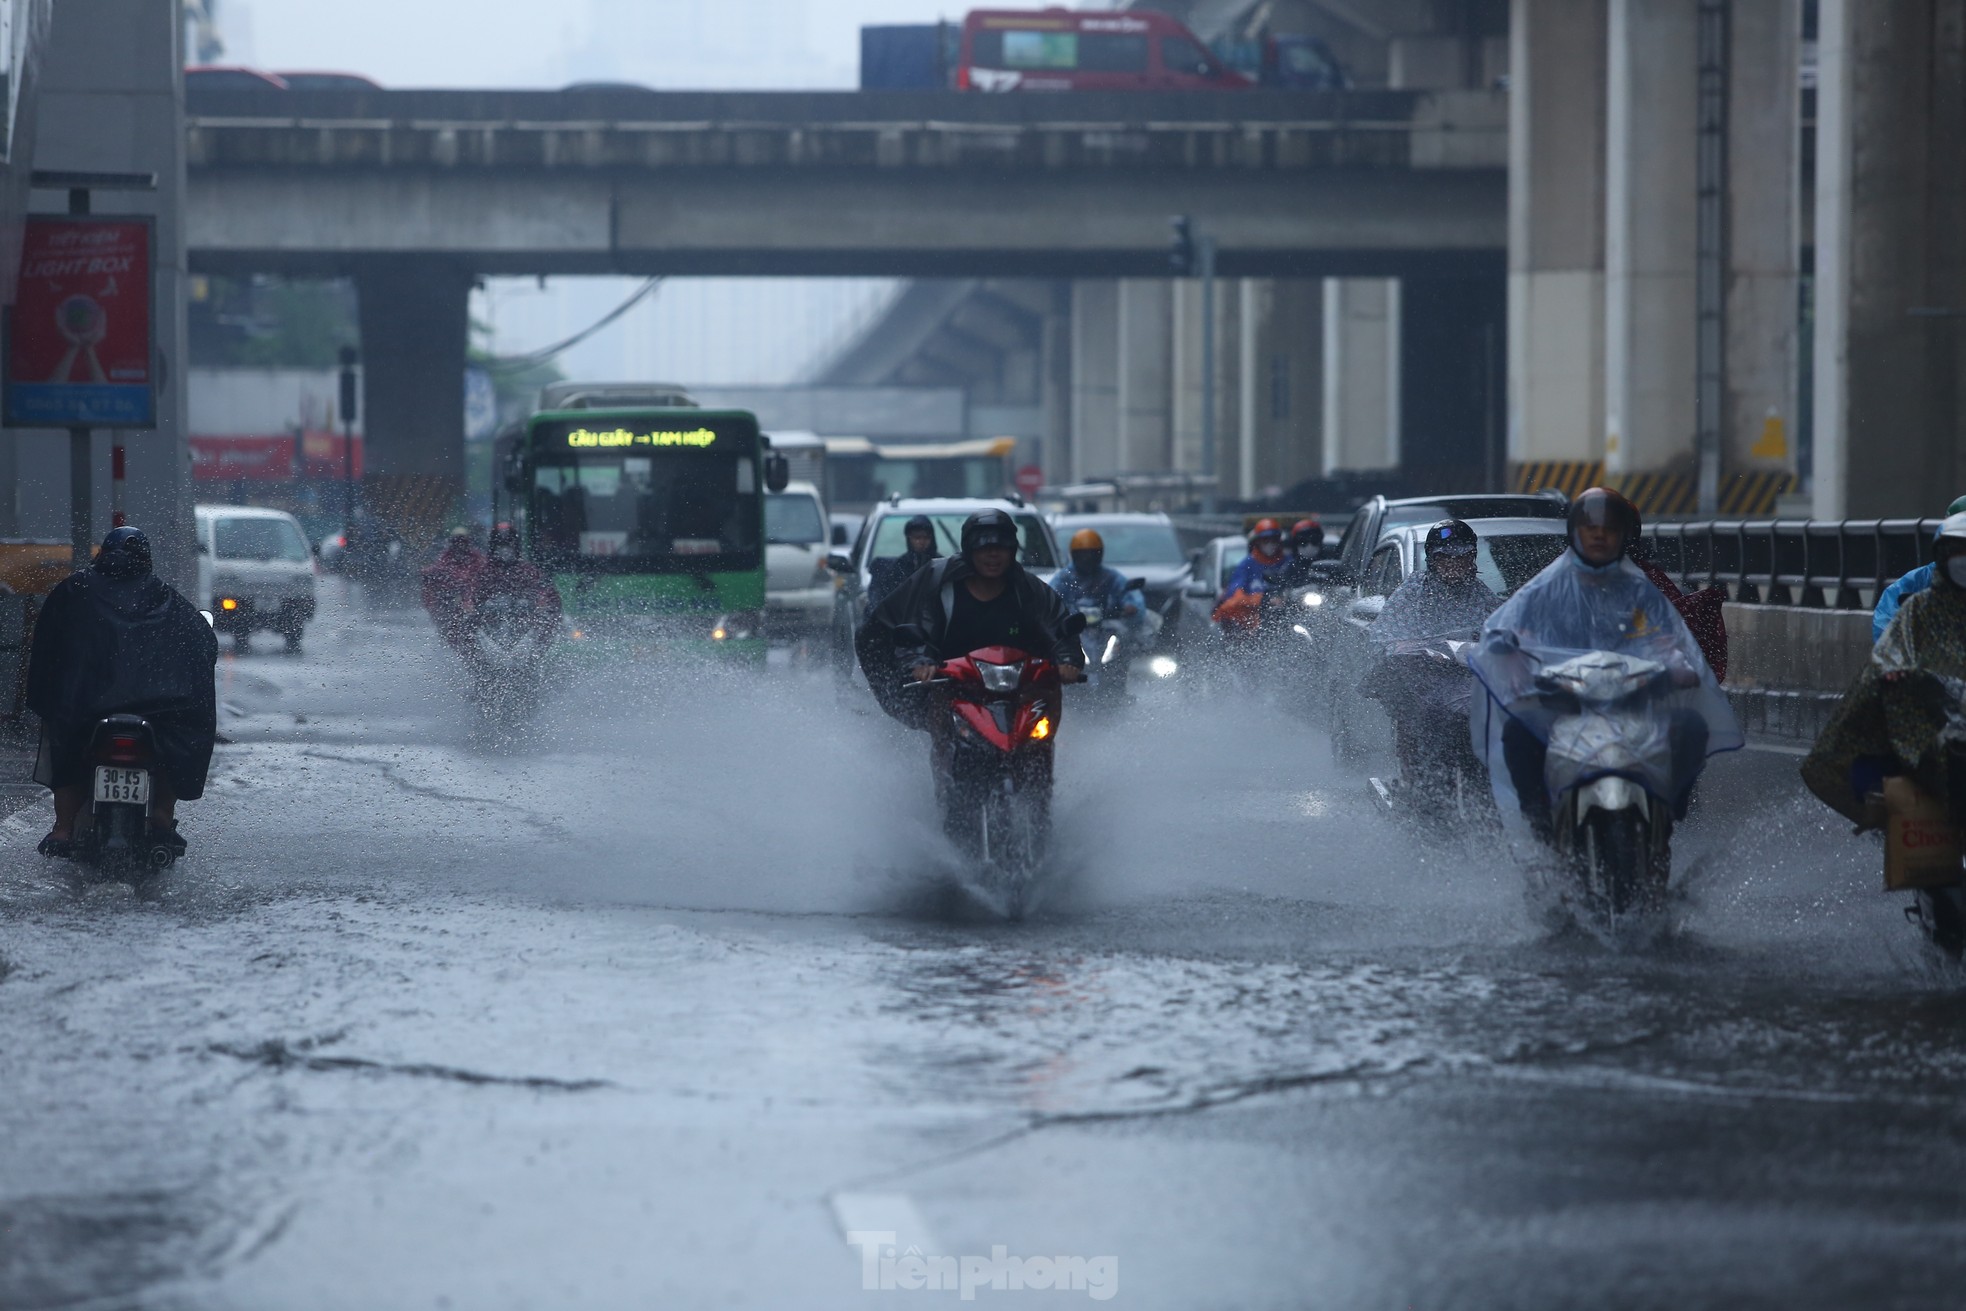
(798, 585)
(255, 572)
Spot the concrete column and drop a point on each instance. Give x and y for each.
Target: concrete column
(1889, 213)
(1186, 376)
(1145, 364)
(1650, 237)
(1453, 382)
(1095, 379)
(1361, 374)
(414, 332)
(1289, 409)
(111, 100)
(1763, 178)
(1060, 453)
(1556, 230)
(1252, 308)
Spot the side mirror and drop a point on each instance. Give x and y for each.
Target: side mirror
(1136, 584)
(1329, 571)
(1074, 624)
(778, 473)
(206, 615)
(315, 547)
(839, 535)
(839, 563)
(1367, 608)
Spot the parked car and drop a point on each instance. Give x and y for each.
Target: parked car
(1141, 546)
(798, 583)
(255, 572)
(1508, 553)
(883, 536)
(1086, 50)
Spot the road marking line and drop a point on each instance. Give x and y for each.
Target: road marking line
(884, 1218)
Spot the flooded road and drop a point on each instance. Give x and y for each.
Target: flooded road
(670, 1003)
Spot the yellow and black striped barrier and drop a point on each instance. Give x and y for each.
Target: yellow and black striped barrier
(1662, 495)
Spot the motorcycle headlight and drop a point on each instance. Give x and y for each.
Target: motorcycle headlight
(737, 626)
(1163, 667)
(1000, 678)
(1312, 600)
(1112, 649)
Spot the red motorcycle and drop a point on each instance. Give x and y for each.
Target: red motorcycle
(992, 745)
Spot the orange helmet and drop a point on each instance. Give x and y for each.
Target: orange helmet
(1266, 528)
(1306, 530)
(1087, 540)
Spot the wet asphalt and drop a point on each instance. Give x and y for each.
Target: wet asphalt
(674, 1001)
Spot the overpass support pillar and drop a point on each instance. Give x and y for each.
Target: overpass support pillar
(1095, 381)
(1890, 344)
(1145, 384)
(1361, 374)
(415, 327)
(1556, 238)
(1650, 238)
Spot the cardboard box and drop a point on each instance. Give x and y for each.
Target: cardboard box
(1921, 846)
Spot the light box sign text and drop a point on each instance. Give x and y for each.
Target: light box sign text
(79, 351)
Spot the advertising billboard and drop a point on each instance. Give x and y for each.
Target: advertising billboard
(80, 350)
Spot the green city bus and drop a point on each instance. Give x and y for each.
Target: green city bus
(650, 518)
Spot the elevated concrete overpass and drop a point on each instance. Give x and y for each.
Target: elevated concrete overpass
(844, 183)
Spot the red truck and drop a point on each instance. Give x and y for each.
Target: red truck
(1081, 50)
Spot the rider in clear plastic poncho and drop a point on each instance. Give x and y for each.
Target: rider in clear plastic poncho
(1591, 598)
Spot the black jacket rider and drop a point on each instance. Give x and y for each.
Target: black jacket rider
(1033, 621)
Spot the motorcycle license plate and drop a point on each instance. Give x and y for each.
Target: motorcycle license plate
(123, 786)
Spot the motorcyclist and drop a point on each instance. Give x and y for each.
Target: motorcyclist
(507, 573)
(1238, 610)
(1447, 596)
(1888, 725)
(116, 639)
(982, 597)
(1893, 597)
(1591, 598)
(447, 584)
(1701, 610)
(1306, 545)
(1087, 579)
(886, 574)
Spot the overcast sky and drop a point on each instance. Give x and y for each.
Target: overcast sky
(700, 330)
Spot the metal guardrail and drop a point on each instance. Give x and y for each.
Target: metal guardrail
(1826, 564)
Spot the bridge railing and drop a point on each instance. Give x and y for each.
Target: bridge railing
(1827, 564)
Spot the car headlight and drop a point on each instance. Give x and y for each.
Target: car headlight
(1312, 600)
(1112, 649)
(1163, 666)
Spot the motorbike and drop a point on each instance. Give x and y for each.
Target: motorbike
(1610, 758)
(113, 833)
(1938, 907)
(993, 736)
(1426, 686)
(1112, 642)
(506, 642)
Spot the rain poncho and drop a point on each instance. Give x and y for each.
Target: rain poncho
(1892, 599)
(1428, 605)
(1573, 609)
(1898, 725)
(106, 646)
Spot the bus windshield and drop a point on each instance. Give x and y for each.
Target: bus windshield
(644, 510)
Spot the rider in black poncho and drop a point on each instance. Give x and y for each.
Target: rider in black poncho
(116, 639)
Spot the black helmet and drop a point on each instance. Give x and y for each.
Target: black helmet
(1450, 537)
(1604, 508)
(125, 553)
(988, 528)
(921, 523)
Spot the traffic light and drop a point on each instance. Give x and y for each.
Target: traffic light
(1181, 257)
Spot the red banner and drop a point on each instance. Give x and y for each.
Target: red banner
(80, 352)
